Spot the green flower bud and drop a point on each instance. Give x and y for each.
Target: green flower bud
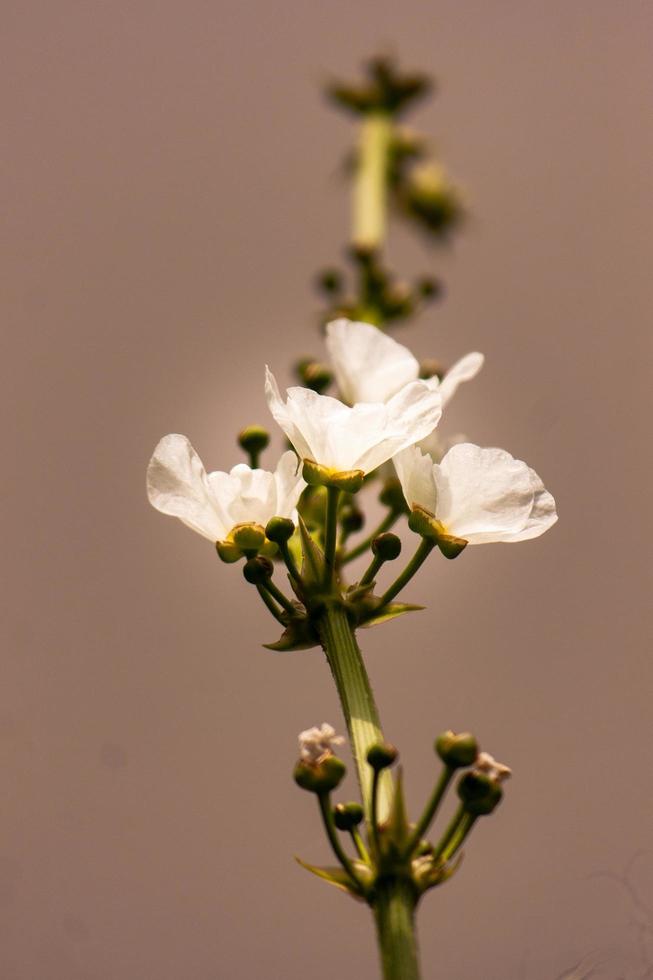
(248, 537)
(381, 756)
(314, 375)
(321, 777)
(392, 496)
(429, 288)
(279, 529)
(479, 793)
(456, 751)
(257, 570)
(386, 546)
(330, 281)
(346, 816)
(254, 439)
(352, 519)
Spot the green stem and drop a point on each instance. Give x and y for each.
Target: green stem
(369, 201)
(430, 809)
(277, 594)
(358, 706)
(330, 535)
(458, 820)
(366, 543)
(332, 834)
(269, 602)
(372, 569)
(458, 838)
(290, 563)
(394, 912)
(425, 548)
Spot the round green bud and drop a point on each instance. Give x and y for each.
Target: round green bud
(248, 537)
(330, 281)
(314, 375)
(479, 793)
(352, 519)
(429, 288)
(257, 570)
(279, 529)
(254, 439)
(323, 777)
(386, 546)
(392, 496)
(346, 816)
(381, 756)
(456, 751)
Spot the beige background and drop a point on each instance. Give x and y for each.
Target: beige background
(170, 182)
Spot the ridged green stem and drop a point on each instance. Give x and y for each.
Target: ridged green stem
(394, 913)
(358, 706)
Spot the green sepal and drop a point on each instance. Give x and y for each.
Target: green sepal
(450, 545)
(391, 611)
(335, 876)
(323, 476)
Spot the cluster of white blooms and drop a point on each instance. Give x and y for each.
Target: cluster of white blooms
(477, 495)
(316, 744)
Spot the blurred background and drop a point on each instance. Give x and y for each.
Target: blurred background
(171, 184)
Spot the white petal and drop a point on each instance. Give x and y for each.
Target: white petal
(289, 485)
(177, 484)
(415, 472)
(369, 365)
(334, 435)
(463, 370)
(483, 494)
(543, 513)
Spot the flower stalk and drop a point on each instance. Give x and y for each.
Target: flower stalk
(370, 183)
(394, 914)
(355, 692)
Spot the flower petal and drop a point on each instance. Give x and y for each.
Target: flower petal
(463, 370)
(543, 513)
(369, 365)
(415, 473)
(483, 494)
(177, 485)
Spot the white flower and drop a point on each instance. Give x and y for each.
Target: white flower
(489, 766)
(478, 495)
(372, 367)
(325, 431)
(214, 503)
(316, 744)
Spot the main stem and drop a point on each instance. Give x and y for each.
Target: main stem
(357, 700)
(369, 204)
(394, 913)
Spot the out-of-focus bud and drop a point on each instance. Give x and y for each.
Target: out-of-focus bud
(248, 537)
(314, 375)
(386, 546)
(430, 197)
(254, 439)
(429, 288)
(320, 777)
(479, 793)
(456, 750)
(346, 816)
(330, 281)
(352, 519)
(257, 570)
(382, 756)
(392, 496)
(279, 529)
